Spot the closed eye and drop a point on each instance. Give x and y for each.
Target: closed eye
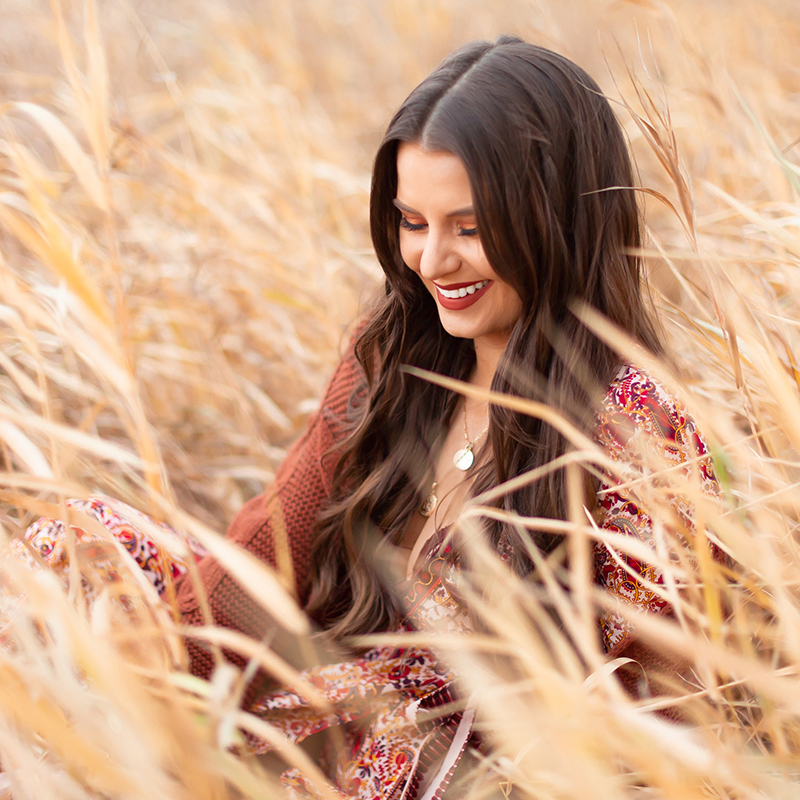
(411, 226)
(418, 226)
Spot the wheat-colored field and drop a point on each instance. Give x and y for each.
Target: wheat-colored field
(183, 249)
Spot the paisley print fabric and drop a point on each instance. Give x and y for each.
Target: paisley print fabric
(643, 427)
(392, 692)
(395, 710)
(99, 560)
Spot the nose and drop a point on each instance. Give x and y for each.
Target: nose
(438, 257)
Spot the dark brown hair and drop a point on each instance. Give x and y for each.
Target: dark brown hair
(550, 174)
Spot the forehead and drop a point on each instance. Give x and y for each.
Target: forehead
(431, 179)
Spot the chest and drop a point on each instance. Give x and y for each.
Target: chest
(446, 491)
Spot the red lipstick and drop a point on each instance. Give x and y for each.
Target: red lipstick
(460, 303)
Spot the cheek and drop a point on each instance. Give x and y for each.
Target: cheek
(511, 304)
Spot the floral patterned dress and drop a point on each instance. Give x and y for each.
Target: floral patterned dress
(386, 700)
(398, 737)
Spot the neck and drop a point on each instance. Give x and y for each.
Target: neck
(487, 356)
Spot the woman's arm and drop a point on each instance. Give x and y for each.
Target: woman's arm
(643, 426)
(302, 484)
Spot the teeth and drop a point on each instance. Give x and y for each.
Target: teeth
(463, 291)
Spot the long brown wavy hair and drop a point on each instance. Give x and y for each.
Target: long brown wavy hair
(551, 182)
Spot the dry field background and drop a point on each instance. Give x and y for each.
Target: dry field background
(183, 247)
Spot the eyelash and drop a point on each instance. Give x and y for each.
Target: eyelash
(411, 226)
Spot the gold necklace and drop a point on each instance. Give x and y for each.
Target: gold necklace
(462, 460)
(465, 457)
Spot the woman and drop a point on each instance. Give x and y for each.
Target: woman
(500, 201)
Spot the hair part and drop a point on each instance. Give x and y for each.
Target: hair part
(552, 187)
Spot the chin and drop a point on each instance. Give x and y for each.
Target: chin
(461, 330)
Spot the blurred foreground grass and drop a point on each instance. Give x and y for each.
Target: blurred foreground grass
(183, 245)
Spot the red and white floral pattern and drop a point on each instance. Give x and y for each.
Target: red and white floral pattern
(99, 564)
(644, 428)
(377, 696)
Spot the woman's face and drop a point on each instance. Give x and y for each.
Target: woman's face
(440, 242)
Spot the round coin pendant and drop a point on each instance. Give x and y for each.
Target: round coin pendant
(464, 459)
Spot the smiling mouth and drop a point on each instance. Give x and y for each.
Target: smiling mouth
(457, 290)
(458, 296)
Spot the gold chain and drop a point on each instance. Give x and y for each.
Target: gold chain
(462, 460)
(483, 433)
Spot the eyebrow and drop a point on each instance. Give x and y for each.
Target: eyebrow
(467, 211)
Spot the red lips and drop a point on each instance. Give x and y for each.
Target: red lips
(460, 303)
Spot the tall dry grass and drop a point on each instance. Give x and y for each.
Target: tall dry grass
(183, 245)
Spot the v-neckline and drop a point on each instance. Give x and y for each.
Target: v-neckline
(426, 551)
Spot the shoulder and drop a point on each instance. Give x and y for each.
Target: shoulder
(639, 415)
(635, 401)
(347, 387)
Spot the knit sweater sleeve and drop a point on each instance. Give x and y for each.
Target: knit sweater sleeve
(646, 429)
(302, 485)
